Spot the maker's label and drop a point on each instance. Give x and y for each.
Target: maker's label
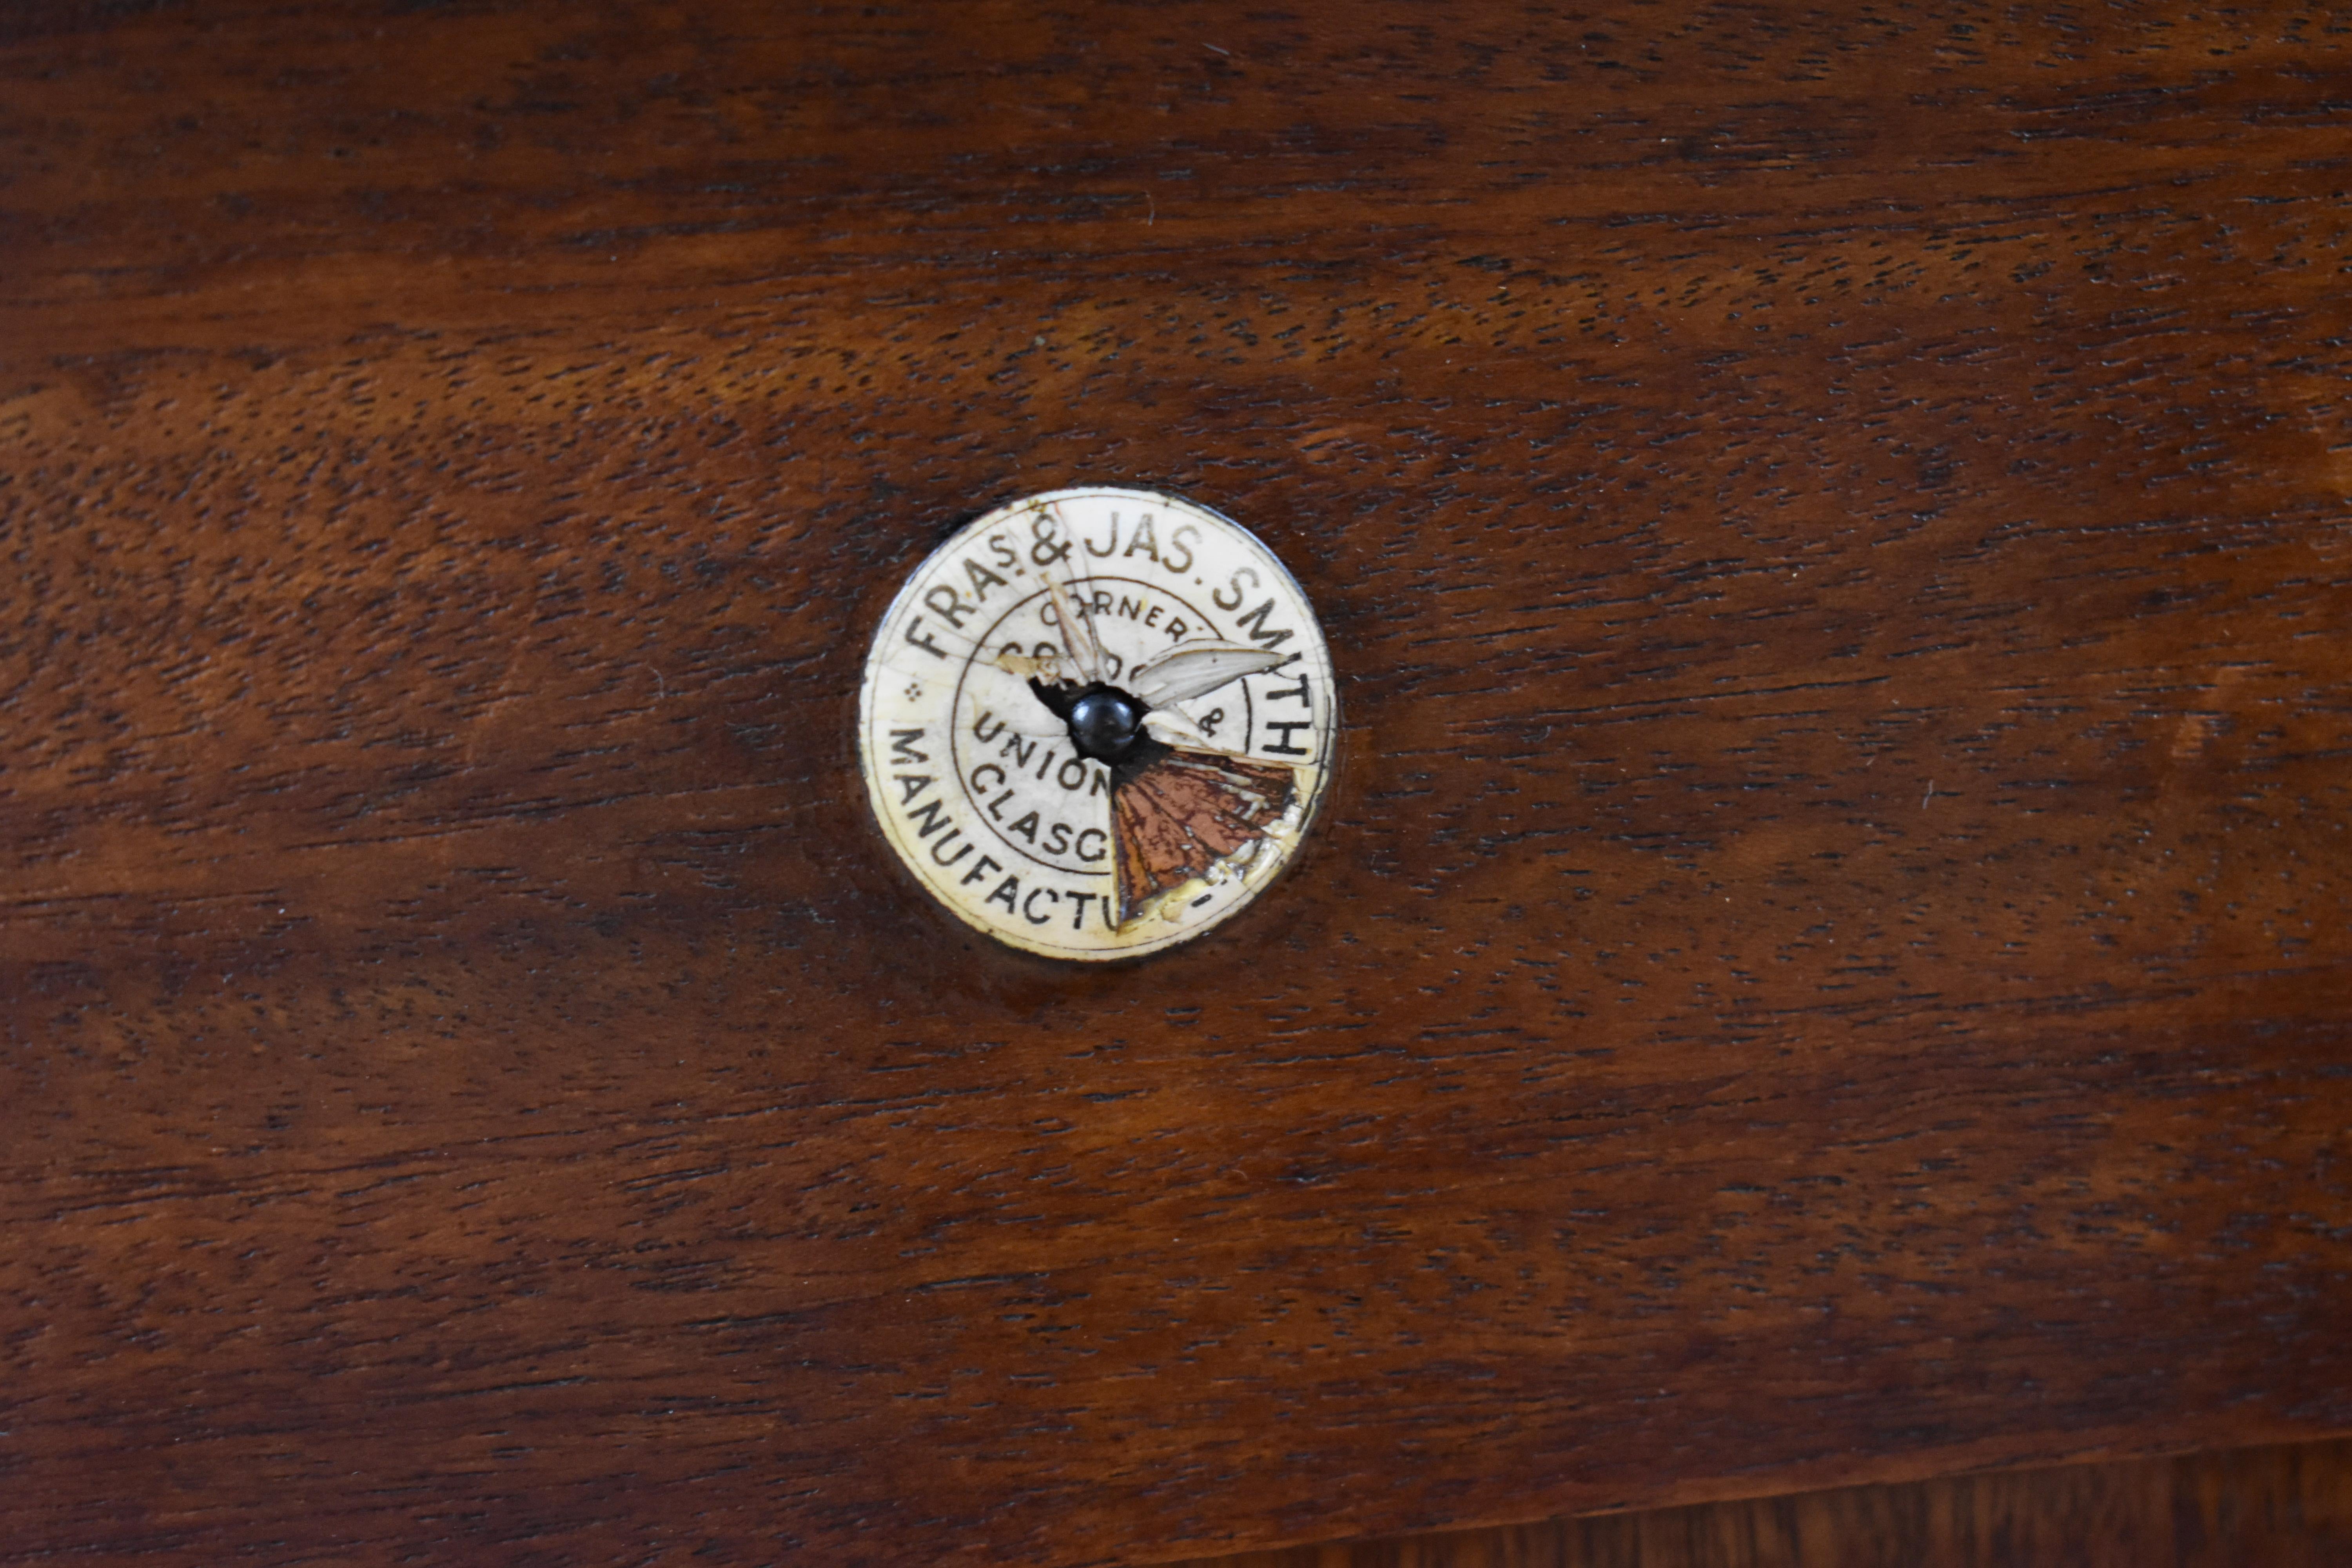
(1096, 721)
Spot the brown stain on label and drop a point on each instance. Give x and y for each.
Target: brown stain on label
(1180, 816)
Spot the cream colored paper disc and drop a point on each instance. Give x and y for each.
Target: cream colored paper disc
(1098, 605)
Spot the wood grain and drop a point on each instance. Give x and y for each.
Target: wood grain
(1826, 961)
(2287, 1507)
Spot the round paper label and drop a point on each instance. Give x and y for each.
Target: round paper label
(1096, 721)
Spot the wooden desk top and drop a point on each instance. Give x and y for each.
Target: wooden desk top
(1826, 961)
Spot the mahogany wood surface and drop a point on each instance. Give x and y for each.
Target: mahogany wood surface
(1826, 961)
(2285, 1506)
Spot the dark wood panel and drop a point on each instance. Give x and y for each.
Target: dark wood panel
(2288, 1506)
(1826, 961)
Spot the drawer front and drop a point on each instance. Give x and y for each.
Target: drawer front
(1823, 957)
